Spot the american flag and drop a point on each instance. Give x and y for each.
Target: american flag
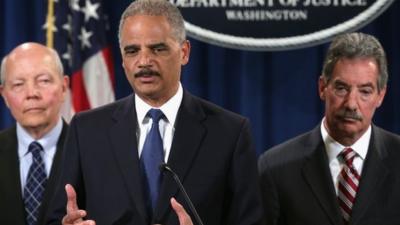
(77, 30)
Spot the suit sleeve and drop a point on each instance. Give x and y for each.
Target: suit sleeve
(246, 206)
(70, 174)
(269, 193)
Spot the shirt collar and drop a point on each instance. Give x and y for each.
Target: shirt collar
(47, 141)
(170, 108)
(333, 148)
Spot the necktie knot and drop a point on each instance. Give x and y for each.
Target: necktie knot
(35, 148)
(155, 115)
(348, 155)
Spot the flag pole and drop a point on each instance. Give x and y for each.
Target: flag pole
(50, 24)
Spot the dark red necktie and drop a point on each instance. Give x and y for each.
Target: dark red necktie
(348, 183)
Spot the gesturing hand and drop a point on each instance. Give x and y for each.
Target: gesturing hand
(74, 214)
(183, 217)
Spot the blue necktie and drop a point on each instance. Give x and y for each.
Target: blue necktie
(35, 184)
(151, 158)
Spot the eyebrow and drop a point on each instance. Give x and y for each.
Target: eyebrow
(339, 82)
(157, 45)
(368, 84)
(16, 79)
(134, 47)
(130, 48)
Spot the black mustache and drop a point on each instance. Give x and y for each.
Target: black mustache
(346, 114)
(146, 72)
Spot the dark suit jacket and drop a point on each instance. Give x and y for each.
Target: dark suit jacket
(298, 189)
(12, 209)
(212, 153)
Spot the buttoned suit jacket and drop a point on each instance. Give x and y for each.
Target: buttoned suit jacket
(297, 185)
(12, 209)
(212, 153)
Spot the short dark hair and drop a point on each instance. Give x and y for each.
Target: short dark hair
(156, 8)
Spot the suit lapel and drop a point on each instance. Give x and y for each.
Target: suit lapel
(183, 150)
(374, 172)
(124, 142)
(318, 176)
(10, 183)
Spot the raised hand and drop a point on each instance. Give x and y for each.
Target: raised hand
(74, 214)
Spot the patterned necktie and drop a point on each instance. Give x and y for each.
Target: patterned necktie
(151, 158)
(35, 184)
(348, 184)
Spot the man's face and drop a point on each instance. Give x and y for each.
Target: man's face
(152, 57)
(33, 89)
(351, 97)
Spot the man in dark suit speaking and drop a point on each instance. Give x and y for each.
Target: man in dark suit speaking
(346, 170)
(113, 153)
(33, 86)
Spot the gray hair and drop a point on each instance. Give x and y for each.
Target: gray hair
(156, 8)
(54, 54)
(3, 69)
(356, 45)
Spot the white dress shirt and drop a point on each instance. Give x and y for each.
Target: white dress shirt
(166, 124)
(333, 149)
(49, 144)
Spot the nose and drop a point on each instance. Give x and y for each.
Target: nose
(351, 100)
(32, 91)
(145, 59)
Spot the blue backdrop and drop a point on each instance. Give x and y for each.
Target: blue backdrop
(277, 91)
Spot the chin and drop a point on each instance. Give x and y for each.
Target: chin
(352, 131)
(150, 93)
(35, 123)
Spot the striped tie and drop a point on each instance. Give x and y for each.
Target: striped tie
(348, 183)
